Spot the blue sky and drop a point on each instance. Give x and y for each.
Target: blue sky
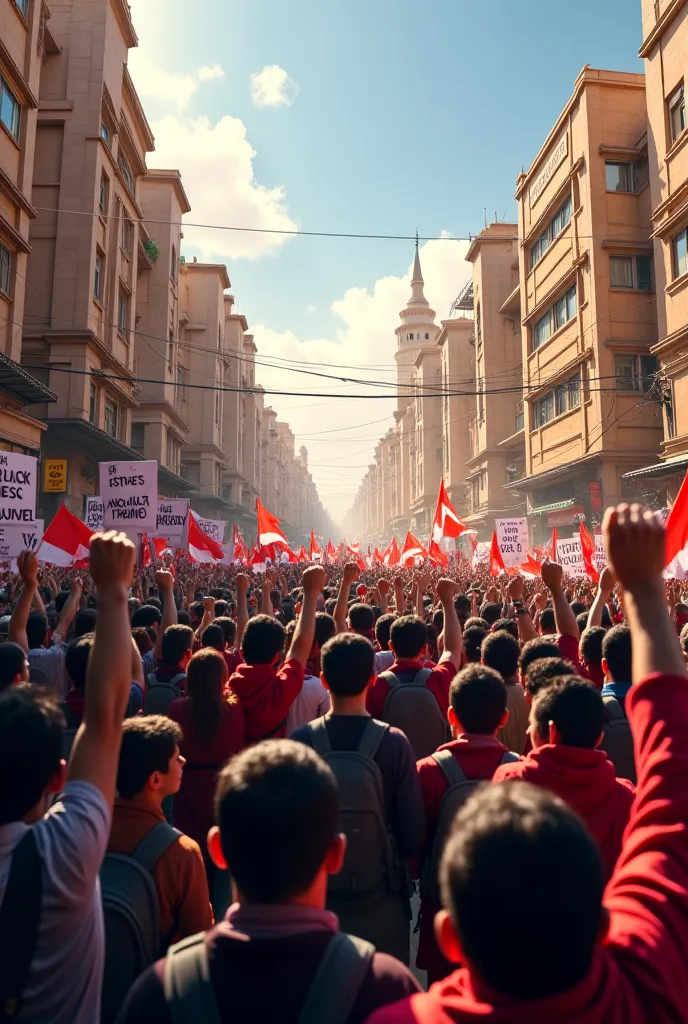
(407, 115)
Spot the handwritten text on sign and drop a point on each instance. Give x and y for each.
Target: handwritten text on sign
(17, 488)
(213, 528)
(17, 538)
(173, 521)
(94, 514)
(512, 537)
(129, 492)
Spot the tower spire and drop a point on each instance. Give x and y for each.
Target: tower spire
(417, 282)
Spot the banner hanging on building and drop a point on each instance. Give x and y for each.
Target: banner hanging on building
(512, 537)
(173, 521)
(213, 528)
(94, 513)
(129, 491)
(18, 475)
(18, 537)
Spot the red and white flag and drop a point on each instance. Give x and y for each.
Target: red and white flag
(496, 559)
(330, 552)
(240, 549)
(202, 548)
(303, 554)
(391, 555)
(588, 550)
(677, 525)
(377, 557)
(437, 556)
(355, 547)
(553, 545)
(353, 552)
(269, 531)
(316, 553)
(446, 522)
(65, 541)
(412, 549)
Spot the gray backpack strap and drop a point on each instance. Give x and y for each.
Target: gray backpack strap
(422, 676)
(372, 738)
(337, 981)
(509, 757)
(451, 769)
(613, 709)
(188, 989)
(391, 680)
(154, 844)
(319, 738)
(151, 679)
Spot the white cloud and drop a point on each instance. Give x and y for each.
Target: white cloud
(210, 73)
(174, 88)
(366, 341)
(310, 309)
(273, 87)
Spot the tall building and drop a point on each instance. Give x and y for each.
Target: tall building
(588, 308)
(25, 42)
(496, 441)
(456, 342)
(665, 45)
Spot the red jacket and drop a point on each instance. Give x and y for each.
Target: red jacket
(438, 683)
(266, 694)
(587, 781)
(639, 975)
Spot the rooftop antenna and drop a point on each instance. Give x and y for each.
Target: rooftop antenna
(416, 238)
(485, 216)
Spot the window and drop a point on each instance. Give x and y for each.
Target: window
(170, 349)
(219, 337)
(98, 275)
(626, 177)
(561, 399)
(181, 383)
(520, 421)
(677, 112)
(563, 310)
(631, 272)
(427, 336)
(103, 196)
(5, 267)
(105, 133)
(124, 167)
(174, 265)
(23, 6)
(634, 372)
(478, 325)
(123, 312)
(92, 404)
(138, 437)
(10, 111)
(217, 408)
(679, 245)
(111, 415)
(127, 233)
(557, 224)
(411, 336)
(172, 453)
(481, 398)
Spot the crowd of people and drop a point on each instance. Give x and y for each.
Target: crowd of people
(235, 798)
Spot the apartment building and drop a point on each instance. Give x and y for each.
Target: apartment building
(496, 439)
(455, 343)
(588, 309)
(665, 45)
(25, 42)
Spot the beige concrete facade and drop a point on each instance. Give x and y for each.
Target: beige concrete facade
(455, 342)
(25, 42)
(587, 303)
(665, 50)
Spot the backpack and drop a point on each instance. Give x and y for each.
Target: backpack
(160, 695)
(20, 917)
(411, 707)
(333, 992)
(617, 741)
(131, 912)
(370, 864)
(460, 788)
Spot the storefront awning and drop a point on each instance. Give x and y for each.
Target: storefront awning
(665, 468)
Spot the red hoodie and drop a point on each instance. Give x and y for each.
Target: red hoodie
(266, 694)
(639, 975)
(587, 781)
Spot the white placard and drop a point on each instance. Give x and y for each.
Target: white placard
(15, 538)
(512, 537)
(570, 556)
(129, 491)
(173, 521)
(213, 528)
(599, 559)
(94, 514)
(18, 475)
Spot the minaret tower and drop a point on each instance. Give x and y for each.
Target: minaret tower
(417, 328)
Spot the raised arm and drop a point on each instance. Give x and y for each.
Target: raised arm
(242, 608)
(526, 626)
(95, 753)
(349, 576)
(453, 637)
(553, 578)
(383, 589)
(399, 594)
(604, 590)
(165, 584)
(27, 566)
(70, 608)
(304, 634)
(265, 598)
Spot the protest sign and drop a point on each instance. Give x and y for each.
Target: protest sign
(129, 492)
(18, 475)
(213, 528)
(512, 537)
(173, 521)
(599, 559)
(18, 537)
(570, 556)
(94, 514)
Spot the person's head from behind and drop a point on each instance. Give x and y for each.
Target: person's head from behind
(213, 636)
(177, 644)
(76, 660)
(547, 624)
(569, 711)
(500, 651)
(408, 638)
(206, 676)
(590, 647)
(505, 626)
(347, 665)
(533, 650)
(582, 620)
(490, 612)
(361, 619)
(325, 629)
(221, 608)
(463, 606)
(36, 630)
(383, 628)
(142, 639)
(516, 852)
(14, 665)
(477, 702)
(277, 810)
(228, 627)
(578, 607)
(263, 641)
(473, 638)
(617, 655)
(543, 672)
(85, 621)
(146, 615)
(150, 765)
(475, 620)
(31, 765)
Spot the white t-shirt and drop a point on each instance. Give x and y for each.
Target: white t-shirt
(67, 970)
(312, 702)
(383, 661)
